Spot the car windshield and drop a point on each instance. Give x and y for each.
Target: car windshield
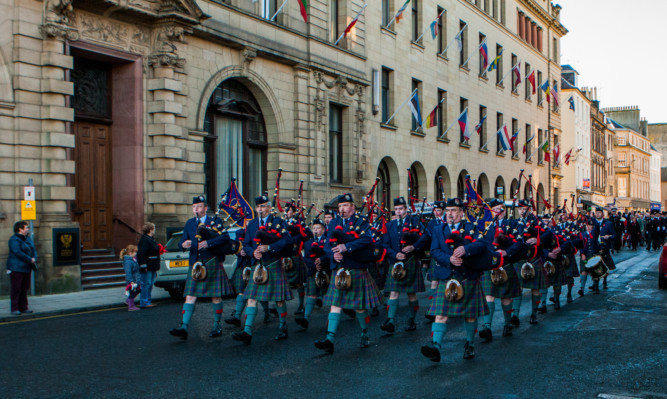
(172, 244)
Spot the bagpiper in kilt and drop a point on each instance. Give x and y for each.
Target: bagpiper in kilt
(243, 260)
(216, 284)
(458, 262)
(403, 241)
(436, 222)
(499, 228)
(267, 263)
(549, 252)
(590, 249)
(318, 270)
(568, 244)
(605, 234)
(349, 257)
(297, 273)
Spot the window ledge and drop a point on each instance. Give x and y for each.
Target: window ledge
(515, 93)
(540, 106)
(464, 68)
(483, 77)
(528, 100)
(485, 150)
(386, 126)
(529, 161)
(443, 57)
(417, 133)
(443, 139)
(500, 86)
(418, 45)
(500, 154)
(515, 157)
(340, 185)
(387, 31)
(464, 144)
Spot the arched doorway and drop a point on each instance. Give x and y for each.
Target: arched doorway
(443, 184)
(500, 183)
(388, 174)
(461, 185)
(540, 199)
(236, 144)
(483, 186)
(513, 190)
(418, 188)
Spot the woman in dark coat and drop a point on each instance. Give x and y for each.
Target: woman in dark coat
(20, 262)
(148, 258)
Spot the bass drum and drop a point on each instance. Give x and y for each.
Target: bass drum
(596, 267)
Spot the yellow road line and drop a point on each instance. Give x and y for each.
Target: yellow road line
(59, 315)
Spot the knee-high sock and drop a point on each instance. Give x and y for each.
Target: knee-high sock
(310, 304)
(302, 294)
(516, 305)
(535, 302)
(250, 313)
(582, 281)
(332, 326)
(363, 318)
(282, 314)
(413, 307)
(392, 304)
(569, 288)
(488, 318)
(543, 297)
(240, 304)
(217, 314)
(471, 329)
(438, 331)
(188, 309)
(507, 312)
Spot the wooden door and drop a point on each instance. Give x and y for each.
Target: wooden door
(93, 208)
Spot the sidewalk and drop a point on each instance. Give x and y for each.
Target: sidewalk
(74, 302)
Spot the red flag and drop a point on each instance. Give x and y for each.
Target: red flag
(567, 157)
(531, 79)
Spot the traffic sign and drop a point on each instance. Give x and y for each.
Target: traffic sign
(28, 210)
(29, 193)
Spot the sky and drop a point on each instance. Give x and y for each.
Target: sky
(618, 46)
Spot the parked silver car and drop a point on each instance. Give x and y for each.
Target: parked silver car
(174, 266)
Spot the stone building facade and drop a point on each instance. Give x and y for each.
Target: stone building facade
(121, 111)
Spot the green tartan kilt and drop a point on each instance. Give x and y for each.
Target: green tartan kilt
(560, 278)
(572, 270)
(275, 289)
(473, 303)
(313, 290)
(363, 294)
(298, 274)
(413, 281)
(237, 276)
(215, 285)
(511, 289)
(541, 280)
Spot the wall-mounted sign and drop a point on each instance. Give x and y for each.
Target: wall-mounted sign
(66, 247)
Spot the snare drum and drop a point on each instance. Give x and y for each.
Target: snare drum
(596, 267)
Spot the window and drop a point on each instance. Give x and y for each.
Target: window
(416, 85)
(540, 93)
(463, 104)
(528, 145)
(514, 64)
(540, 141)
(442, 112)
(267, 8)
(415, 20)
(494, 10)
(527, 85)
(386, 12)
(414, 186)
(442, 34)
(555, 55)
(333, 21)
(386, 94)
(463, 43)
(485, 6)
(499, 66)
(515, 145)
(335, 143)
(502, 12)
(499, 124)
(482, 66)
(482, 131)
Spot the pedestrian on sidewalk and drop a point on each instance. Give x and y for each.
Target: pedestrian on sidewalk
(22, 260)
(129, 257)
(149, 263)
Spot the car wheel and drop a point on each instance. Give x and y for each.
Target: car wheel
(176, 293)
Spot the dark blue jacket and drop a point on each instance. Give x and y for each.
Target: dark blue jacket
(278, 248)
(189, 232)
(21, 252)
(607, 228)
(392, 240)
(310, 261)
(505, 225)
(441, 252)
(364, 242)
(591, 244)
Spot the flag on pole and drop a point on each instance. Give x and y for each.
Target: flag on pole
(504, 138)
(571, 101)
(463, 123)
(484, 53)
(513, 139)
(459, 39)
(525, 146)
(554, 94)
(557, 154)
(303, 5)
(495, 62)
(434, 26)
(517, 72)
(531, 79)
(399, 13)
(567, 157)
(472, 193)
(479, 126)
(232, 203)
(414, 107)
(353, 22)
(432, 118)
(546, 89)
(545, 148)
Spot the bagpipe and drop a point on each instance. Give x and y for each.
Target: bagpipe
(316, 251)
(206, 232)
(266, 235)
(410, 234)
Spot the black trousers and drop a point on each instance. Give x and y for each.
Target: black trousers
(20, 282)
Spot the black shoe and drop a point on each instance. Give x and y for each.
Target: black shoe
(350, 313)
(468, 351)
(302, 322)
(267, 317)
(604, 287)
(375, 312)
(325, 345)
(273, 311)
(365, 341)
(233, 321)
(552, 299)
(431, 352)
(412, 326)
(299, 310)
(557, 305)
(243, 337)
(486, 334)
(215, 332)
(181, 333)
(28, 311)
(515, 321)
(507, 330)
(318, 302)
(580, 292)
(388, 326)
(430, 318)
(533, 319)
(282, 334)
(542, 309)
(592, 288)
(569, 299)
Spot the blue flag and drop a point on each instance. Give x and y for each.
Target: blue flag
(233, 203)
(571, 101)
